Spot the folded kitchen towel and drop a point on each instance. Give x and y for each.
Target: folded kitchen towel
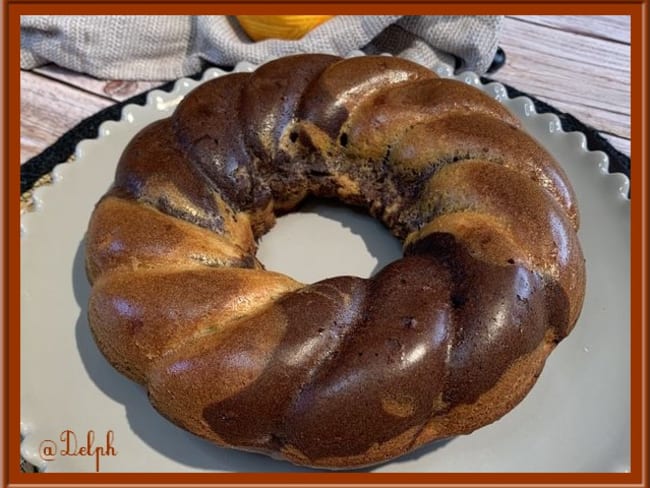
(169, 47)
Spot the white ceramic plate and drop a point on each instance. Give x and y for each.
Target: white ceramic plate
(575, 419)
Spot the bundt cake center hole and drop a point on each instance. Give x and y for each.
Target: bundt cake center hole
(323, 239)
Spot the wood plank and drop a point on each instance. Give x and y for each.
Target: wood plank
(116, 90)
(573, 52)
(590, 80)
(48, 109)
(610, 27)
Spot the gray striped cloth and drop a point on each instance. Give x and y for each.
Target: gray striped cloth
(169, 47)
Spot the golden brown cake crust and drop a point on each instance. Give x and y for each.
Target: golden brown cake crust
(346, 372)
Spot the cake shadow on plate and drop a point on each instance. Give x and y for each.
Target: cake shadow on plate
(170, 440)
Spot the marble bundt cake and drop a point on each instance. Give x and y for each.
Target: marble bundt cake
(346, 372)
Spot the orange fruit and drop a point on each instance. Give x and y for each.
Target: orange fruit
(260, 27)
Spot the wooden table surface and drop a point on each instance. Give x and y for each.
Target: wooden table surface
(578, 64)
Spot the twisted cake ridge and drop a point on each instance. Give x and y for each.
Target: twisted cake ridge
(346, 372)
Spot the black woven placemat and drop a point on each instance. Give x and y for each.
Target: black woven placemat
(42, 164)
